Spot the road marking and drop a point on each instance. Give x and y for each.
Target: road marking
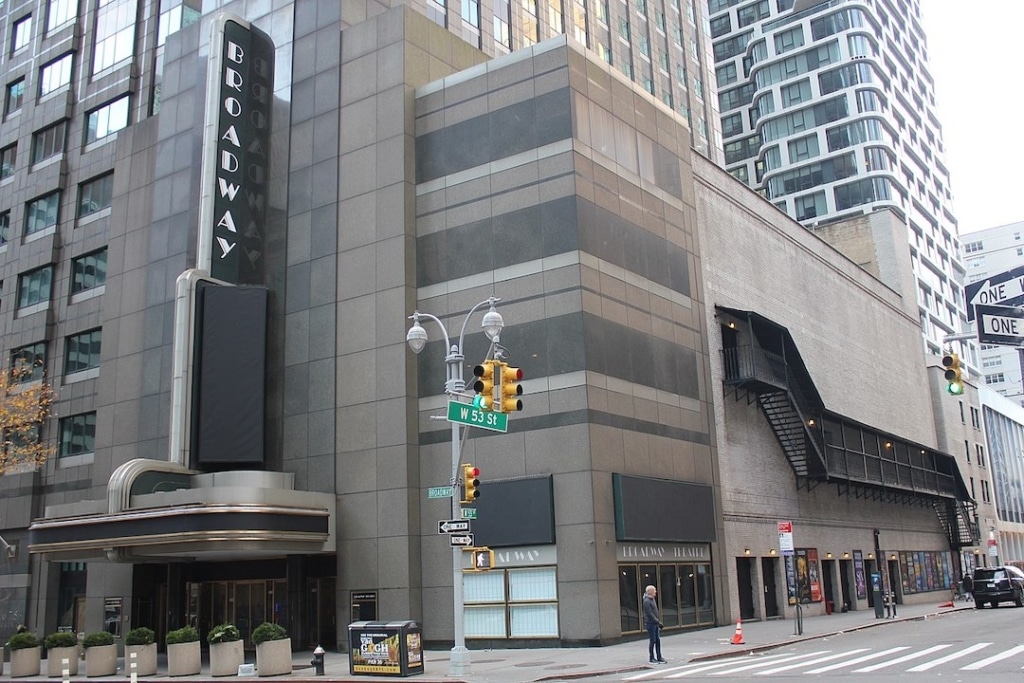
(904, 658)
(819, 660)
(852, 662)
(695, 668)
(948, 658)
(790, 658)
(993, 659)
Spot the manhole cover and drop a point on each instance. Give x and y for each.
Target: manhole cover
(534, 664)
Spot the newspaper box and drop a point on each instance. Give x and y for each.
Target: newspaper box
(385, 648)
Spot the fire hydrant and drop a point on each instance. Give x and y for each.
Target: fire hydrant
(318, 660)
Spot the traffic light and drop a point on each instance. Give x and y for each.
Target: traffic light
(484, 385)
(954, 374)
(470, 483)
(511, 389)
(483, 559)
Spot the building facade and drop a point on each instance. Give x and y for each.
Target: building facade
(828, 110)
(219, 287)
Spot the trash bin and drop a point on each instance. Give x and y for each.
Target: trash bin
(385, 648)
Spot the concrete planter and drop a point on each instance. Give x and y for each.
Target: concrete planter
(101, 660)
(55, 657)
(183, 659)
(225, 658)
(26, 661)
(274, 657)
(145, 659)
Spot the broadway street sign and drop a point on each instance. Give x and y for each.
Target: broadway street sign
(1001, 325)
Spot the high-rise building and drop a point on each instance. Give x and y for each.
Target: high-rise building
(828, 110)
(990, 254)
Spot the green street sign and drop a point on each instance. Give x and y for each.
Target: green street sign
(463, 413)
(439, 492)
(469, 513)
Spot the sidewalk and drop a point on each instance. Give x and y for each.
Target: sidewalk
(555, 664)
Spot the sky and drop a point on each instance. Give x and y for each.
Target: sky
(975, 55)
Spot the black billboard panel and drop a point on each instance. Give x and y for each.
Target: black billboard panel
(230, 365)
(648, 509)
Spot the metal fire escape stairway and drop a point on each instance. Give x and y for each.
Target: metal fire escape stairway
(784, 391)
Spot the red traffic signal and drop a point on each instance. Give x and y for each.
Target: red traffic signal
(470, 483)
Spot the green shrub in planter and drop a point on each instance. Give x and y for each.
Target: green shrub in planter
(185, 634)
(267, 631)
(223, 633)
(140, 636)
(60, 639)
(22, 641)
(98, 638)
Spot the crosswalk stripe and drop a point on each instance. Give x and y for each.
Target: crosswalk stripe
(790, 658)
(858, 660)
(993, 659)
(819, 660)
(948, 658)
(904, 658)
(719, 665)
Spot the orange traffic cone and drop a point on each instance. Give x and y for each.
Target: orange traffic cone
(737, 638)
(947, 604)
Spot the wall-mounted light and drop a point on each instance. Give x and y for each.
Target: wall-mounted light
(828, 555)
(772, 551)
(732, 325)
(846, 556)
(977, 552)
(746, 551)
(893, 556)
(888, 444)
(871, 556)
(810, 423)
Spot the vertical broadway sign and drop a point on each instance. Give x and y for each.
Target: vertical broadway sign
(237, 153)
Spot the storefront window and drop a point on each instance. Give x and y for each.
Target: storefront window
(685, 594)
(511, 603)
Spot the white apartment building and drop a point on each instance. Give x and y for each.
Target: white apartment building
(988, 253)
(828, 110)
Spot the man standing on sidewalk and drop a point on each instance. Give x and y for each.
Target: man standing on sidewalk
(652, 620)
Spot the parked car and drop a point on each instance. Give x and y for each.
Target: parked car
(998, 584)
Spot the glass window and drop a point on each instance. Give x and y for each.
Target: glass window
(60, 12)
(41, 213)
(82, 351)
(34, 286)
(89, 271)
(526, 599)
(115, 33)
(8, 160)
(49, 142)
(77, 435)
(110, 118)
(55, 75)
(21, 33)
(5, 226)
(95, 195)
(14, 96)
(28, 363)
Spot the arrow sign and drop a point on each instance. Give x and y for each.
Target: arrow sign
(452, 526)
(1001, 325)
(464, 540)
(1002, 288)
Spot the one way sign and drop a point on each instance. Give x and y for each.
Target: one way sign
(453, 526)
(1001, 325)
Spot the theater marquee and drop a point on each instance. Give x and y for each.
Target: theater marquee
(236, 152)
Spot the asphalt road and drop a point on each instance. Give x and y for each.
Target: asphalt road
(970, 645)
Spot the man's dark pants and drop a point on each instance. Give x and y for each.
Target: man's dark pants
(654, 644)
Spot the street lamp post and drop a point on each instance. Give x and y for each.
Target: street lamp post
(454, 385)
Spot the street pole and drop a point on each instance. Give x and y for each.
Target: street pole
(459, 661)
